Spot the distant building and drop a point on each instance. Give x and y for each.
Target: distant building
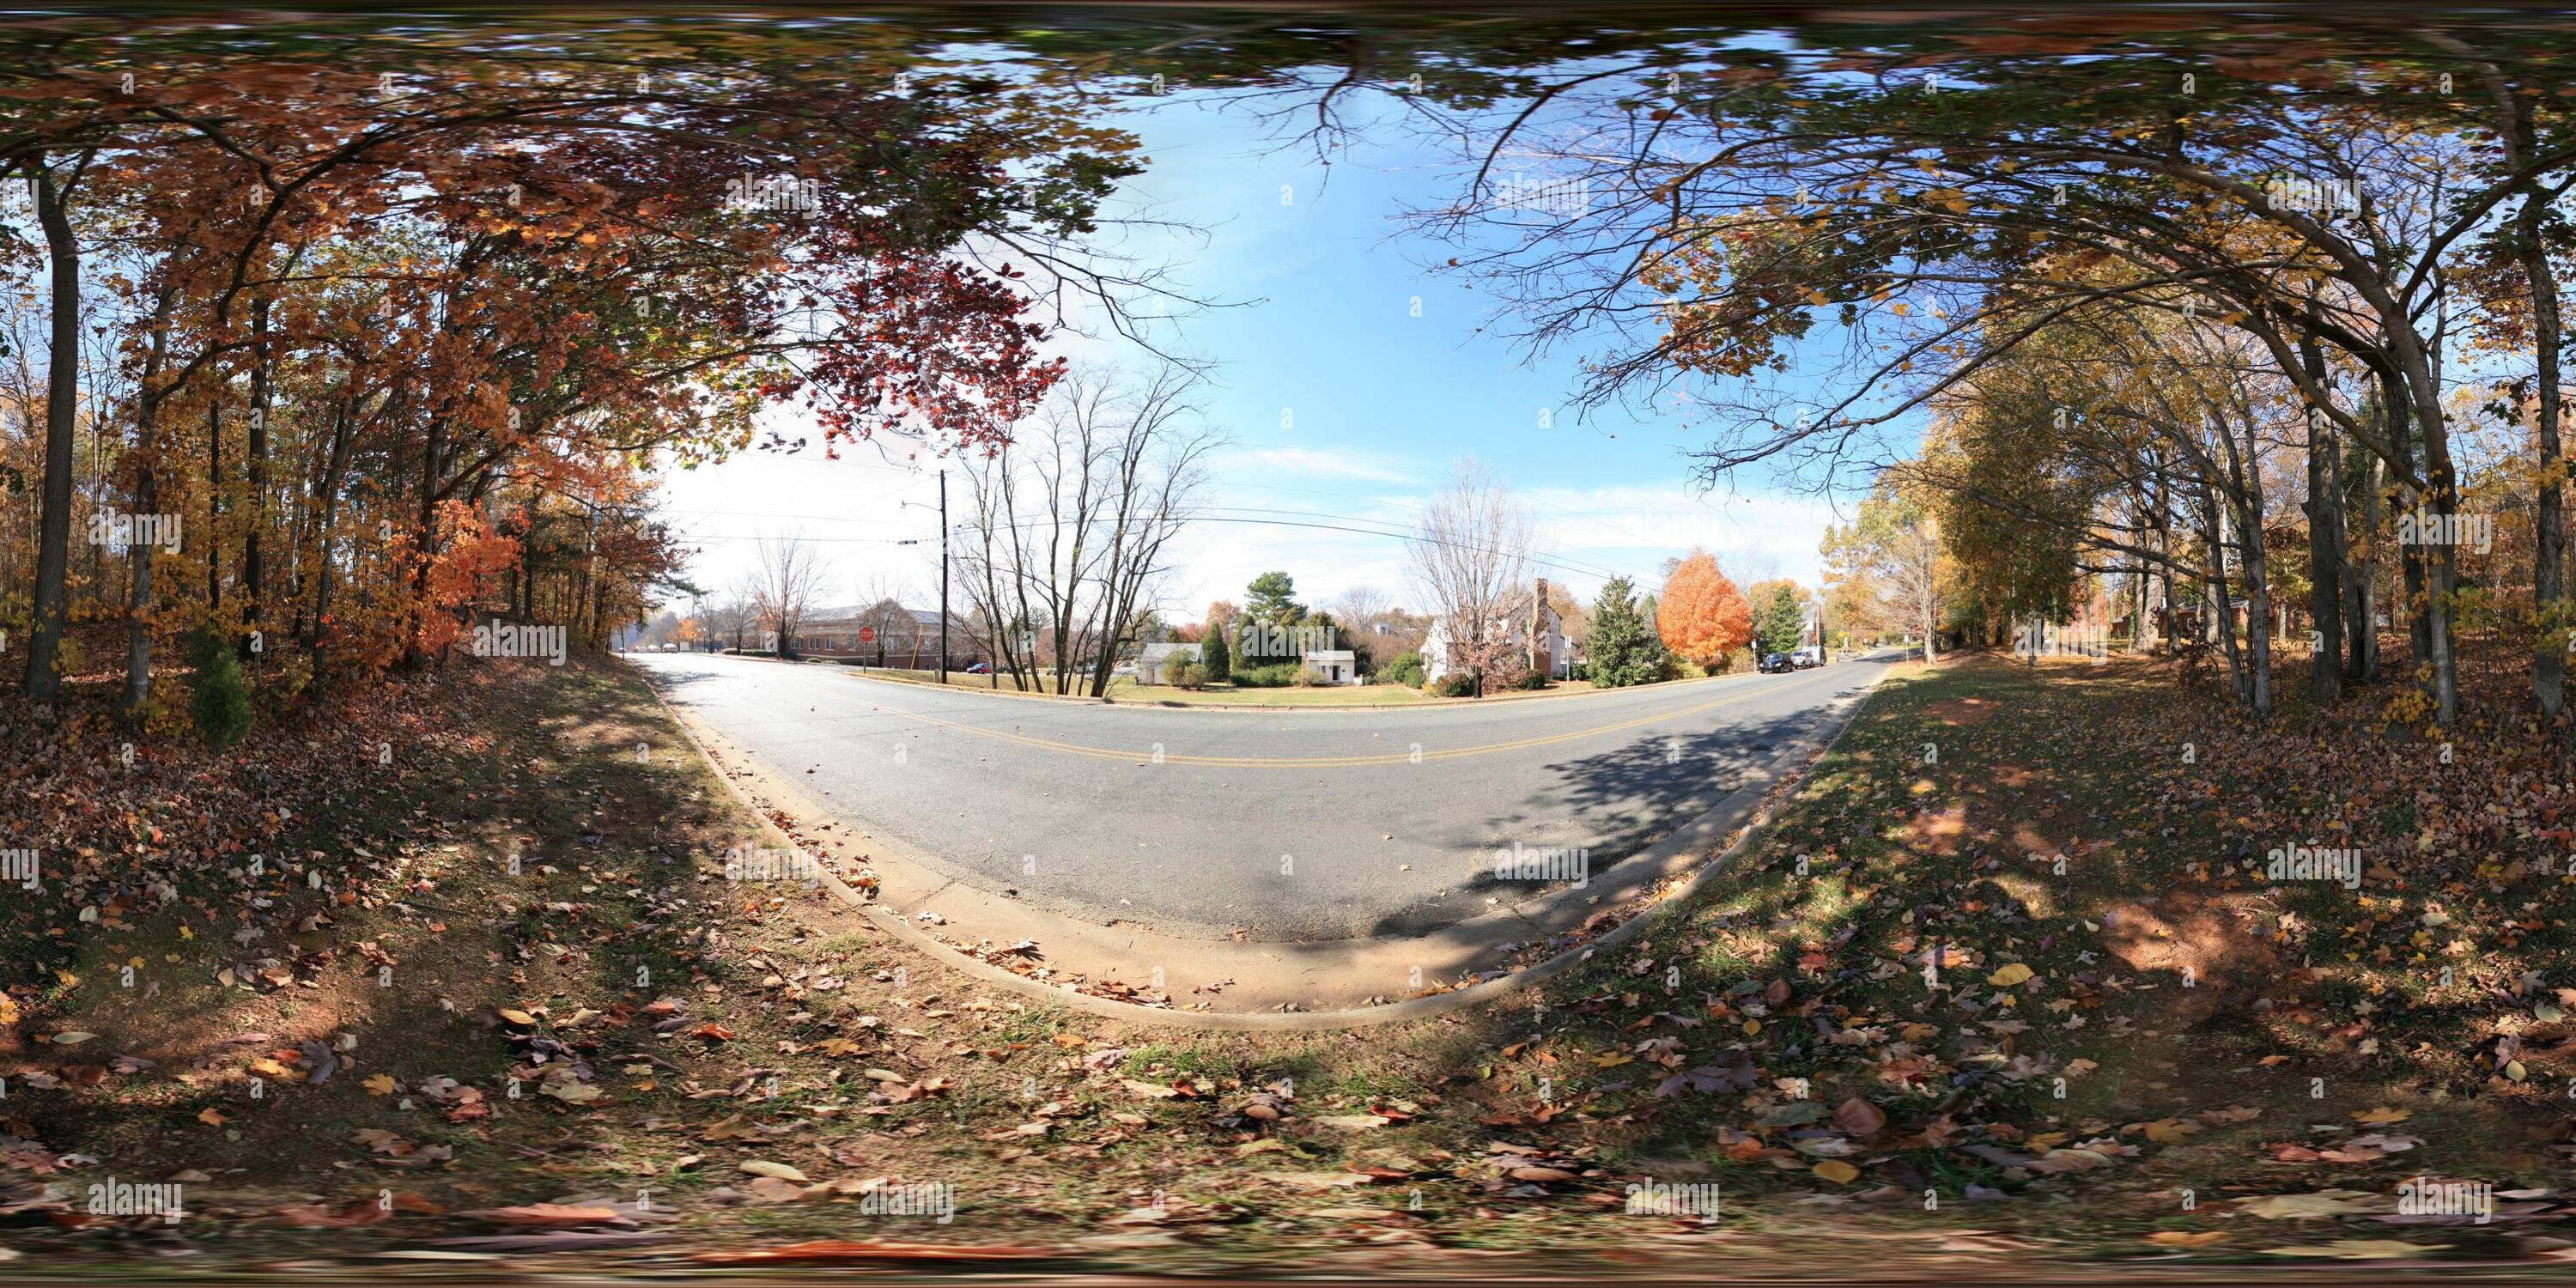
(900, 636)
(1154, 659)
(1331, 665)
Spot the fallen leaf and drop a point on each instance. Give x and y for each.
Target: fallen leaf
(543, 1214)
(2359, 1249)
(2323, 1203)
(1353, 1122)
(1860, 1118)
(2186, 1238)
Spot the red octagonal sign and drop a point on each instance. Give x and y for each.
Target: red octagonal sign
(867, 635)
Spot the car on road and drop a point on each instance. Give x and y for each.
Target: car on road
(1810, 655)
(979, 668)
(1777, 662)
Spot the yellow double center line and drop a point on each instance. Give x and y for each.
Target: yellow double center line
(1407, 756)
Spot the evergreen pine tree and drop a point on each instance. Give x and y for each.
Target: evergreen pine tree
(1213, 658)
(1623, 648)
(1783, 623)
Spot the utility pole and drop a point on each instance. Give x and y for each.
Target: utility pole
(943, 576)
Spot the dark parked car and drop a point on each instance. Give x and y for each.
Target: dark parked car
(1777, 662)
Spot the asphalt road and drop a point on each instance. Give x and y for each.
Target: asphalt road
(1279, 824)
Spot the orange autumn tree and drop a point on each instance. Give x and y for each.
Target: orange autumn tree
(1702, 616)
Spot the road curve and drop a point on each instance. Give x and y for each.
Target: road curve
(1284, 825)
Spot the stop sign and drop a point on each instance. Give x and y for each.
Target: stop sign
(867, 635)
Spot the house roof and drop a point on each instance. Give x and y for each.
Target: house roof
(857, 615)
(1157, 652)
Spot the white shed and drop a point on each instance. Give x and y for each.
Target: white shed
(1151, 660)
(1332, 665)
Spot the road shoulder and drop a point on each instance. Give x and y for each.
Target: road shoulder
(1127, 970)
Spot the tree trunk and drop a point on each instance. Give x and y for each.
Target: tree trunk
(2258, 609)
(62, 391)
(138, 629)
(2367, 474)
(2217, 607)
(2325, 546)
(2410, 557)
(254, 568)
(147, 418)
(2549, 546)
(2442, 571)
(425, 546)
(214, 505)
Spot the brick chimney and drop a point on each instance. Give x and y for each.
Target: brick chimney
(1538, 618)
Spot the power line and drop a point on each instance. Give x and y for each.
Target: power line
(1558, 561)
(1354, 496)
(1544, 561)
(1329, 527)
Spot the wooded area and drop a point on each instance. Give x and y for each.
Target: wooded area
(366, 343)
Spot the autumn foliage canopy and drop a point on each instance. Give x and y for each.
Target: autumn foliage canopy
(1703, 616)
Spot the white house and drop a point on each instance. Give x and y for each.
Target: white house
(1332, 665)
(1154, 658)
(1556, 650)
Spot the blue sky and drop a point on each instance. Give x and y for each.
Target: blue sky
(1341, 402)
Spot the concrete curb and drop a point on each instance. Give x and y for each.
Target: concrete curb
(1411, 1008)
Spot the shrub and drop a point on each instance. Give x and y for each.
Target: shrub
(1579, 671)
(217, 701)
(1277, 675)
(1529, 680)
(1185, 675)
(1404, 668)
(1214, 660)
(1459, 684)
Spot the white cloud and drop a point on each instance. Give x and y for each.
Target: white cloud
(1328, 464)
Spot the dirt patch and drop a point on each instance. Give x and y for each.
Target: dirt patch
(1961, 711)
(2214, 952)
(1937, 831)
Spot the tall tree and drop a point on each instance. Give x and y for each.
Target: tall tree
(1783, 624)
(1896, 544)
(53, 195)
(1469, 557)
(1622, 649)
(1705, 616)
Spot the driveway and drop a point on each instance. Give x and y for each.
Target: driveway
(1273, 825)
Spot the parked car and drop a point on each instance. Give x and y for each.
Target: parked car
(1810, 655)
(1777, 662)
(670, 648)
(979, 668)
